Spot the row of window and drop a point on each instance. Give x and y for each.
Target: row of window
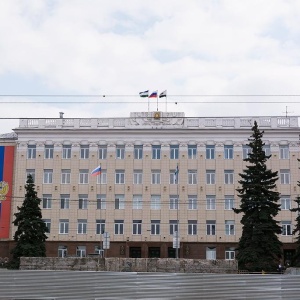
(210, 252)
(155, 227)
(155, 152)
(192, 176)
(155, 202)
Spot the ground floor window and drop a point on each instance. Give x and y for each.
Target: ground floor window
(229, 253)
(81, 251)
(62, 251)
(211, 253)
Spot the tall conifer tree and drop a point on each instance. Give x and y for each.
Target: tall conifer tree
(30, 235)
(259, 247)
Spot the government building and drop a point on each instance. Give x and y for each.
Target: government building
(167, 184)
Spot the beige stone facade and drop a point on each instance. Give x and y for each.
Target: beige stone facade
(139, 156)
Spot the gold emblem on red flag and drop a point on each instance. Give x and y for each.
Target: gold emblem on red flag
(4, 188)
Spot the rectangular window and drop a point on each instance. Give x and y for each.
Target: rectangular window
(173, 226)
(285, 176)
(119, 226)
(210, 227)
(210, 177)
(267, 150)
(210, 151)
(49, 150)
(172, 177)
(210, 202)
(155, 202)
(81, 251)
(246, 151)
(211, 253)
(229, 253)
(102, 152)
(285, 202)
(137, 177)
(66, 152)
(83, 176)
(47, 201)
(228, 152)
(137, 202)
(155, 177)
(228, 177)
(284, 152)
(229, 202)
(120, 152)
(63, 226)
(173, 202)
(83, 202)
(100, 226)
(192, 177)
(81, 226)
(286, 227)
(192, 227)
(155, 227)
(138, 152)
(84, 151)
(229, 227)
(119, 202)
(102, 178)
(64, 201)
(31, 151)
(48, 176)
(65, 176)
(101, 201)
(62, 251)
(48, 225)
(30, 172)
(192, 151)
(156, 151)
(192, 202)
(174, 151)
(120, 176)
(137, 227)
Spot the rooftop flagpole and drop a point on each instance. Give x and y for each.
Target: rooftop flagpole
(164, 94)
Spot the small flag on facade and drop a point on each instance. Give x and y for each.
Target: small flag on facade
(163, 94)
(144, 94)
(176, 173)
(153, 95)
(96, 171)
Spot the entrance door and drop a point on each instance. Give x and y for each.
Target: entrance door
(154, 252)
(135, 252)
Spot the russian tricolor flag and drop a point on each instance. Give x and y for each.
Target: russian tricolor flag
(96, 171)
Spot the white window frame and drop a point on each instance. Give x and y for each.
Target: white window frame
(285, 202)
(102, 178)
(173, 227)
(63, 226)
(228, 151)
(246, 151)
(136, 227)
(48, 224)
(66, 152)
(83, 177)
(210, 177)
(285, 176)
(62, 251)
(173, 177)
(119, 227)
(137, 177)
(173, 203)
(120, 177)
(210, 202)
(83, 202)
(287, 229)
(102, 152)
(31, 151)
(192, 151)
(47, 201)
(120, 152)
(119, 201)
(138, 151)
(155, 177)
(192, 202)
(65, 176)
(192, 176)
(101, 201)
(64, 201)
(228, 177)
(229, 227)
(174, 151)
(81, 251)
(210, 151)
(32, 173)
(100, 226)
(229, 202)
(84, 151)
(192, 227)
(155, 227)
(211, 253)
(156, 151)
(155, 202)
(81, 226)
(48, 176)
(229, 254)
(267, 150)
(49, 152)
(137, 202)
(284, 152)
(211, 227)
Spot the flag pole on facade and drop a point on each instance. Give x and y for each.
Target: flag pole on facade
(177, 244)
(164, 94)
(145, 94)
(155, 95)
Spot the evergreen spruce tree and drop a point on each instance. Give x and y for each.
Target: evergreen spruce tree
(30, 235)
(296, 258)
(259, 247)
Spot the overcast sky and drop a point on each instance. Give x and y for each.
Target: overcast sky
(119, 48)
